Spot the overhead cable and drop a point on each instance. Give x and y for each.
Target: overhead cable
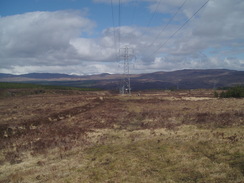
(150, 20)
(119, 17)
(171, 19)
(180, 28)
(112, 8)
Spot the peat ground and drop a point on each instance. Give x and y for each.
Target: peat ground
(96, 136)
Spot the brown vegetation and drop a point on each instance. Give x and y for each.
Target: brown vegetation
(180, 136)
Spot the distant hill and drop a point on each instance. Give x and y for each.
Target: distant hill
(47, 76)
(6, 75)
(181, 79)
(193, 79)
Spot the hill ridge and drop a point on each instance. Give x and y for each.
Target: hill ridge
(179, 79)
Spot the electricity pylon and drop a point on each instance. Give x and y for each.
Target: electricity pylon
(127, 54)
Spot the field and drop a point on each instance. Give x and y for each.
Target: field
(95, 136)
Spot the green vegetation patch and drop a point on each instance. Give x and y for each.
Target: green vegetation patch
(234, 92)
(21, 89)
(4, 85)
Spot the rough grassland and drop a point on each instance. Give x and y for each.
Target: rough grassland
(181, 136)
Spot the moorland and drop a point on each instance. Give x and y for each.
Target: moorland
(67, 135)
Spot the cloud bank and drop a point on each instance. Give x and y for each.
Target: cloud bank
(62, 41)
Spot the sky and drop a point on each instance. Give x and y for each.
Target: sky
(90, 36)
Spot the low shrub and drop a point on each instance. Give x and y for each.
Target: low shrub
(234, 92)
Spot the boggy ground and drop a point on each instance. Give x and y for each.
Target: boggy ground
(167, 136)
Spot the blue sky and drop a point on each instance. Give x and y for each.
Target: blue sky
(12, 7)
(82, 37)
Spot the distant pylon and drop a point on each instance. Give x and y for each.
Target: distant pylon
(126, 54)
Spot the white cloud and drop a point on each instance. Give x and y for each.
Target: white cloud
(61, 41)
(40, 38)
(85, 68)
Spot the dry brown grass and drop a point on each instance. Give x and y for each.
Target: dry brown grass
(185, 136)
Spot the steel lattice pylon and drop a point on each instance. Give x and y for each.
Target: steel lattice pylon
(126, 54)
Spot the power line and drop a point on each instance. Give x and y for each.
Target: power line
(156, 38)
(180, 27)
(150, 20)
(112, 8)
(134, 12)
(119, 17)
(133, 18)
